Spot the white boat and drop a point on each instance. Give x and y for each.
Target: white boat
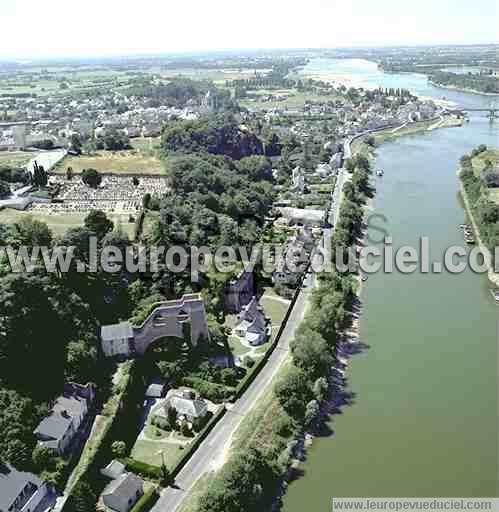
(379, 172)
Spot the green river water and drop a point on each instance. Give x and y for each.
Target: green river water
(424, 421)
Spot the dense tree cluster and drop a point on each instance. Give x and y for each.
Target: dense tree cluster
(216, 202)
(477, 186)
(246, 484)
(483, 82)
(215, 134)
(355, 194)
(4, 189)
(49, 328)
(175, 93)
(112, 141)
(11, 174)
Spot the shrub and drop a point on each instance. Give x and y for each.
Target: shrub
(161, 423)
(147, 501)
(142, 469)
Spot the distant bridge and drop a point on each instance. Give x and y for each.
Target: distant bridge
(494, 110)
(493, 113)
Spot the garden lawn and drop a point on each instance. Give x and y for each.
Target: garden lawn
(150, 452)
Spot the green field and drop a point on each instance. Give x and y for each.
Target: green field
(145, 144)
(117, 162)
(275, 307)
(218, 76)
(479, 161)
(60, 223)
(15, 158)
(150, 452)
(49, 82)
(295, 100)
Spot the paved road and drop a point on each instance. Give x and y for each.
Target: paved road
(336, 197)
(214, 445)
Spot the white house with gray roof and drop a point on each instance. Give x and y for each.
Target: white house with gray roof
(22, 492)
(57, 430)
(123, 492)
(252, 324)
(185, 403)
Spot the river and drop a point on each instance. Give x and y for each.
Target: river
(363, 73)
(424, 418)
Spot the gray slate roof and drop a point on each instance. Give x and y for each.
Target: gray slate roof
(57, 423)
(12, 482)
(124, 488)
(185, 406)
(117, 331)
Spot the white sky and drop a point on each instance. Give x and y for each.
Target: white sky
(44, 28)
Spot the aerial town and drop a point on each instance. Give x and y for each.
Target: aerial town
(149, 390)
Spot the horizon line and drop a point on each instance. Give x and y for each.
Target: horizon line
(214, 52)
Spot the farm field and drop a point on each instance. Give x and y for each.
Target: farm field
(117, 162)
(218, 76)
(15, 158)
(294, 100)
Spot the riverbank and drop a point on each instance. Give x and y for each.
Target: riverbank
(443, 121)
(492, 276)
(462, 89)
(269, 442)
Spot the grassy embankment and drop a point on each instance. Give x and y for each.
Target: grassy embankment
(359, 145)
(472, 191)
(479, 163)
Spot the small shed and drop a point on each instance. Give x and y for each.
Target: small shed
(156, 390)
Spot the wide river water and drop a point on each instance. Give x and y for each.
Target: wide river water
(424, 419)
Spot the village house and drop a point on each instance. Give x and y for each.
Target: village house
(297, 181)
(23, 492)
(117, 339)
(324, 171)
(335, 161)
(123, 492)
(113, 470)
(156, 389)
(187, 405)
(58, 429)
(239, 291)
(303, 216)
(252, 324)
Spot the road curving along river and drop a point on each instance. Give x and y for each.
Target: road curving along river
(424, 418)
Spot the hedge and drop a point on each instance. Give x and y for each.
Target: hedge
(139, 223)
(147, 501)
(211, 391)
(142, 468)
